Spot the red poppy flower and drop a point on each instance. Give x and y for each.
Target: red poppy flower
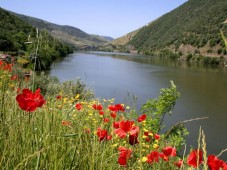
(59, 97)
(163, 156)
(103, 134)
(124, 155)
(78, 106)
(179, 163)
(109, 137)
(169, 151)
(97, 107)
(65, 123)
(101, 112)
(29, 101)
(116, 108)
(214, 163)
(126, 127)
(119, 107)
(157, 136)
(147, 139)
(113, 115)
(224, 166)
(195, 157)
(153, 157)
(116, 125)
(7, 67)
(124, 152)
(133, 139)
(106, 120)
(122, 161)
(141, 117)
(146, 133)
(14, 77)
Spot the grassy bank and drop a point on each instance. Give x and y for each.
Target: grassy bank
(48, 125)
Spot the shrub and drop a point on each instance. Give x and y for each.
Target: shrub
(188, 57)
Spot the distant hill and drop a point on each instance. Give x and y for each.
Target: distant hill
(125, 39)
(14, 33)
(108, 38)
(193, 27)
(66, 33)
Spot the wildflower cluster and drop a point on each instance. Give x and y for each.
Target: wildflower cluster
(129, 135)
(92, 134)
(4, 66)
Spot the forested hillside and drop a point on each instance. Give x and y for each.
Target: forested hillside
(194, 27)
(69, 34)
(13, 32)
(19, 37)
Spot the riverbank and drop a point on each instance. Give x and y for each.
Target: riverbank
(206, 59)
(60, 131)
(133, 79)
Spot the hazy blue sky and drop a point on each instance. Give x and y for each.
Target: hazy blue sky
(113, 18)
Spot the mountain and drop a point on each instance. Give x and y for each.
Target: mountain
(125, 39)
(108, 38)
(192, 28)
(66, 33)
(14, 33)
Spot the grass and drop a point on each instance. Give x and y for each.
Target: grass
(59, 135)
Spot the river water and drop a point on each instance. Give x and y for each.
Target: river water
(132, 79)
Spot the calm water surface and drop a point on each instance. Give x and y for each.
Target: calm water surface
(127, 77)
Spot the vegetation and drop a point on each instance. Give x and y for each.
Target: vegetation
(74, 36)
(22, 39)
(13, 32)
(69, 129)
(124, 39)
(192, 27)
(45, 124)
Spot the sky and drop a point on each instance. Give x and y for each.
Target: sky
(113, 18)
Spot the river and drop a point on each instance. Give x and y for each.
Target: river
(132, 79)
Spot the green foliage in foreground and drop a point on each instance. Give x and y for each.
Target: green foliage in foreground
(72, 130)
(41, 139)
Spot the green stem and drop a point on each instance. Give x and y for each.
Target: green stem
(36, 55)
(71, 165)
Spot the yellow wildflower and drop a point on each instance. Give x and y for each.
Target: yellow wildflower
(127, 107)
(150, 134)
(144, 137)
(144, 159)
(65, 100)
(145, 130)
(115, 145)
(155, 146)
(77, 96)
